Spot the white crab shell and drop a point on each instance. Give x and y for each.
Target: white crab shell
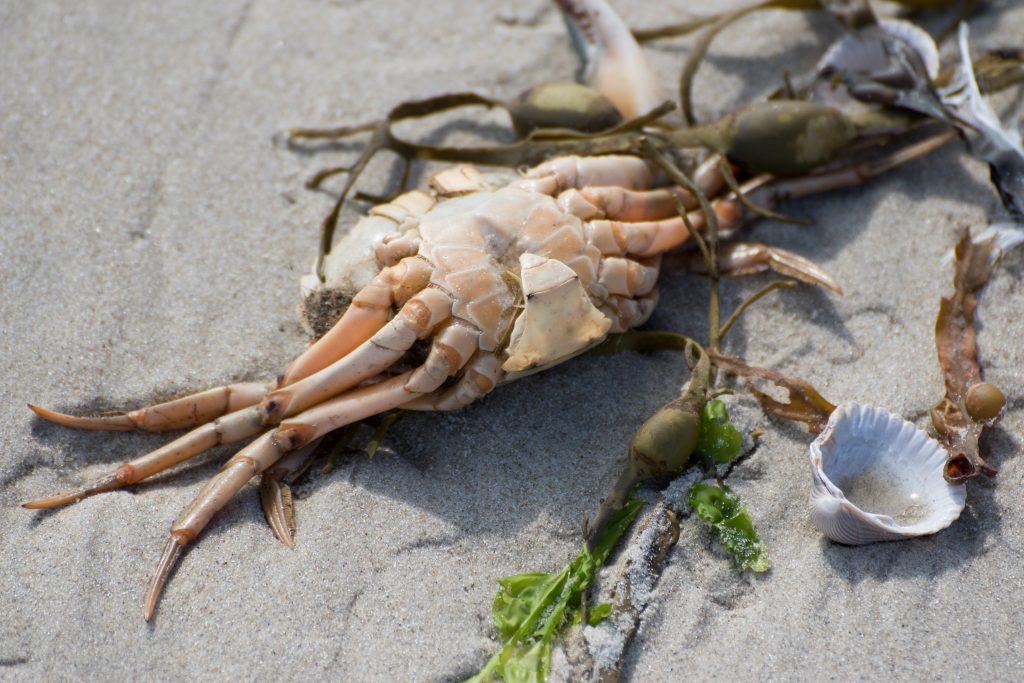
(876, 477)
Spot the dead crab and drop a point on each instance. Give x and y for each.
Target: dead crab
(499, 281)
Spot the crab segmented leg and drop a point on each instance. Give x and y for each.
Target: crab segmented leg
(449, 352)
(628, 277)
(261, 454)
(180, 413)
(365, 316)
(652, 237)
(482, 374)
(747, 258)
(628, 312)
(230, 428)
(616, 203)
(275, 491)
(416, 319)
(857, 173)
(621, 204)
(555, 176)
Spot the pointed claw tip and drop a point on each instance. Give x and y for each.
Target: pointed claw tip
(168, 558)
(283, 531)
(47, 503)
(114, 422)
(52, 415)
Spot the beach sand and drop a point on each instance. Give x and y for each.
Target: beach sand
(153, 229)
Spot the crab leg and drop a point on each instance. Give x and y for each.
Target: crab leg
(180, 413)
(368, 312)
(853, 174)
(557, 175)
(621, 204)
(748, 258)
(627, 277)
(227, 429)
(365, 316)
(417, 318)
(650, 238)
(261, 454)
(628, 312)
(654, 237)
(449, 352)
(452, 347)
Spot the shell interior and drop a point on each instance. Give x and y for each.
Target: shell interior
(877, 477)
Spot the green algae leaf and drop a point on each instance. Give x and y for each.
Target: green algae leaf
(529, 664)
(599, 613)
(520, 596)
(618, 526)
(721, 509)
(529, 608)
(719, 442)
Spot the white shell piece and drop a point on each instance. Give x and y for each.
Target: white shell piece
(461, 179)
(558, 320)
(876, 477)
(351, 263)
(862, 54)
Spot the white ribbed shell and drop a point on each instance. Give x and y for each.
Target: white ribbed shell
(869, 459)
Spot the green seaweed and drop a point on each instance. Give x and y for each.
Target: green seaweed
(721, 508)
(719, 442)
(529, 608)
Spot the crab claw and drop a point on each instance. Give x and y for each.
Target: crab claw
(276, 495)
(613, 62)
(278, 508)
(748, 258)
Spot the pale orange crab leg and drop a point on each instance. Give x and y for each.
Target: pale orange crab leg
(227, 429)
(621, 204)
(261, 454)
(748, 258)
(401, 281)
(368, 313)
(650, 238)
(450, 350)
(421, 314)
(481, 376)
(560, 174)
(180, 413)
(416, 319)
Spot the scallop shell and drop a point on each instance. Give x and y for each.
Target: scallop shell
(869, 459)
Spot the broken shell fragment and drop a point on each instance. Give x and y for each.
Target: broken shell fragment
(876, 477)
